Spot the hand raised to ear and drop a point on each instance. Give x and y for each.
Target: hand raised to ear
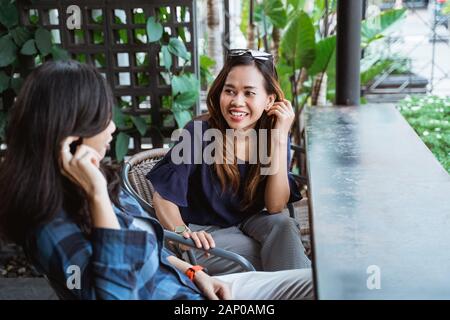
(285, 115)
(82, 167)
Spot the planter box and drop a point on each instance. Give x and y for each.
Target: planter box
(394, 87)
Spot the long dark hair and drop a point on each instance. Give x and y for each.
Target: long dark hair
(57, 100)
(227, 173)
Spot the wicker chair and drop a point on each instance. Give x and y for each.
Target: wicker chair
(133, 176)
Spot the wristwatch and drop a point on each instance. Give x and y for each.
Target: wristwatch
(181, 229)
(192, 270)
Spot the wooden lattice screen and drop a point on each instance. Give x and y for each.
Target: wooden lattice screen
(113, 38)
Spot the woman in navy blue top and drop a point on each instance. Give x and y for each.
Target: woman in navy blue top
(235, 203)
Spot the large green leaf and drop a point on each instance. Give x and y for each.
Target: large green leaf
(29, 48)
(206, 62)
(140, 124)
(324, 51)
(167, 57)
(177, 47)
(377, 68)
(121, 146)
(182, 117)
(20, 35)
(7, 51)
(245, 9)
(186, 98)
(373, 28)
(370, 60)
(154, 30)
(275, 11)
(298, 44)
(297, 4)
(43, 39)
(331, 73)
(59, 53)
(284, 71)
(9, 15)
(206, 76)
(184, 83)
(119, 117)
(4, 81)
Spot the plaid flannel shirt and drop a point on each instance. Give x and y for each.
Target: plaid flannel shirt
(113, 264)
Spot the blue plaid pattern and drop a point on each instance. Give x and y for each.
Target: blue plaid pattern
(114, 264)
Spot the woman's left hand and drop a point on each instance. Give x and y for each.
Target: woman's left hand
(212, 288)
(285, 115)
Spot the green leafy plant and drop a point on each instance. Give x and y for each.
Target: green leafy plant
(19, 44)
(430, 118)
(375, 28)
(206, 76)
(376, 59)
(185, 86)
(307, 53)
(446, 8)
(302, 57)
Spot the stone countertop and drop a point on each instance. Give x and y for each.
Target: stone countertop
(380, 204)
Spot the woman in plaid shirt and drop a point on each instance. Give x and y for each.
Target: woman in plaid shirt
(67, 209)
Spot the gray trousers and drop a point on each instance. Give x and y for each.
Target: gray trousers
(271, 242)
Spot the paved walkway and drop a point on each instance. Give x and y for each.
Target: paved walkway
(26, 289)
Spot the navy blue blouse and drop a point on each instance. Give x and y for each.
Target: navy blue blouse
(196, 190)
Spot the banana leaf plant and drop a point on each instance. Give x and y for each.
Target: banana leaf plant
(302, 56)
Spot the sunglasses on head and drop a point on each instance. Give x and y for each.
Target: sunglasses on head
(255, 54)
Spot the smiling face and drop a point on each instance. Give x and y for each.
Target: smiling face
(244, 97)
(100, 142)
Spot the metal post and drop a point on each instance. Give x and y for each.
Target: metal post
(348, 52)
(226, 42)
(433, 47)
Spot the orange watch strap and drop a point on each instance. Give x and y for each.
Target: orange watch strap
(192, 270)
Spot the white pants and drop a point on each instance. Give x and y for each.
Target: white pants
(280, 285)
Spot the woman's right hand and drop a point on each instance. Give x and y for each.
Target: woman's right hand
(202, 239)
(82, 168)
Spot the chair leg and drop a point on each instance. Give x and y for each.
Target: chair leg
(191, 256)
(291, 210)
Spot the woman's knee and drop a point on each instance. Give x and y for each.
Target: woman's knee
(282, 222)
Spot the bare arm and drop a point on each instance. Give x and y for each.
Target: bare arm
(167, 212)
(169, 215)
(212, 288)
(277, 190)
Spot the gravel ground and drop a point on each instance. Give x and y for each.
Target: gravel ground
(13, 263)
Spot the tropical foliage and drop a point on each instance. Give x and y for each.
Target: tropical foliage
(19, 45)
(430, 118)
